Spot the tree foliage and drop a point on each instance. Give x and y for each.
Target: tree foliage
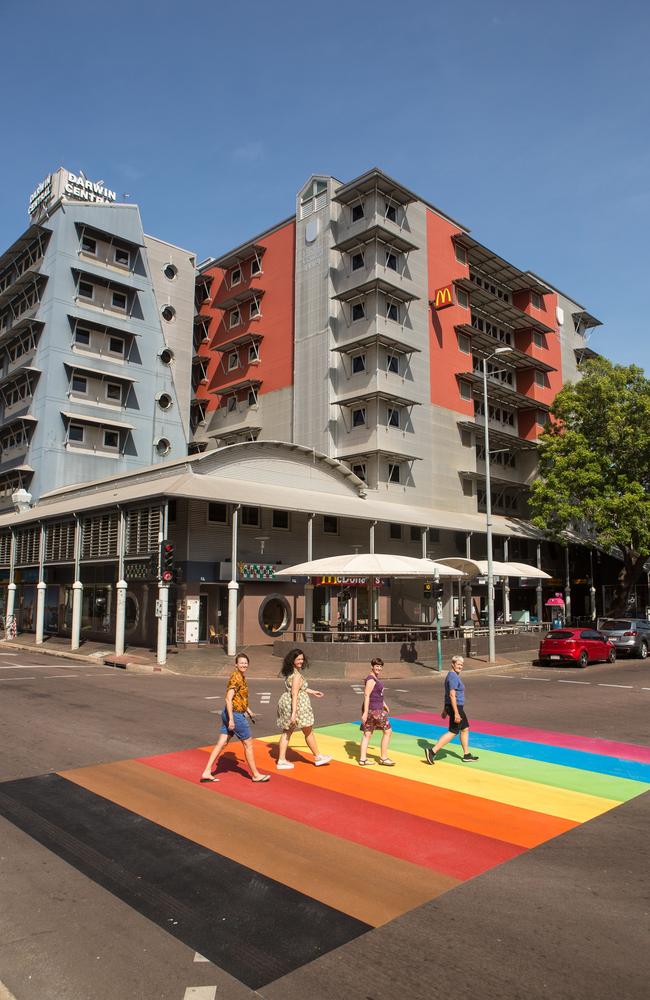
(594, 474)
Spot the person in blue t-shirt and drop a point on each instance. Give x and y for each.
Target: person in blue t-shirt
(454, 710)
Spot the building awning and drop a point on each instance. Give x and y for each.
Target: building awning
(376, 233)
(499, 439)
(16, 374)
(374, 180)
(381, 339)
(21, 244)
(93, 317)
(240, 298)
(239, 256)
(493, 266)
(384, 394)
(487, 344)
(28, 277)
(502, 393)
(22, 326)
(585, 354)
(479, 477)
(498, 309)
(393, 456)
(112, 238)
(227, 390)
(97, 274)
(99, 373)
(585, 320)
(376, 285)
(81, 418)
(479, 567)
(243, 338)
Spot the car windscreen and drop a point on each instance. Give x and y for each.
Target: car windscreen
(561, 635)
(615, 625)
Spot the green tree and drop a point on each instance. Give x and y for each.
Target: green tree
(594, 474)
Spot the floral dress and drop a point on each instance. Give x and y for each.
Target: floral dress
(304, 713)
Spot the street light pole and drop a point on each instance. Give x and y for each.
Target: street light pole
(488, 508)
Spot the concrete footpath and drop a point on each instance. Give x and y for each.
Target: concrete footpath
(212, 661)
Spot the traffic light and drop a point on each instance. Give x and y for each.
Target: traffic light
(438, 590)
(167, 562)
(428, 590)
(154, 565)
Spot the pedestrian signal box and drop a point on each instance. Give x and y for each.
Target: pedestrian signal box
(428, 590)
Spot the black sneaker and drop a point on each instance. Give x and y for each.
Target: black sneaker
(429, 754)
(469, 757)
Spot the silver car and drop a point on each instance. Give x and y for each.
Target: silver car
(629, 635)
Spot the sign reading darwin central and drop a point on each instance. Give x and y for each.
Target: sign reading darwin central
(64, 184)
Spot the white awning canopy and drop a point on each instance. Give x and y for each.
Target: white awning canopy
(370, 565)
(479, 567)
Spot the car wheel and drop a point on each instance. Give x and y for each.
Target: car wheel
(643, 650)
(583, 659)
(612, 656)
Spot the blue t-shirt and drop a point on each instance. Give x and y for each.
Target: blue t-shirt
(454, 683)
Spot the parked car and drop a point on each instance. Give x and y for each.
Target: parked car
(629, 635)
(578, 646)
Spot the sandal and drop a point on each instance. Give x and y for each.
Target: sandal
(262, 777)
(213, 777)
(365, 762)
(387, 762)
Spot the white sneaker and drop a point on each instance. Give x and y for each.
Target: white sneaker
(321, 759)
(284, 765)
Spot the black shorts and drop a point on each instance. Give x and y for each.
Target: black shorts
(455, 727)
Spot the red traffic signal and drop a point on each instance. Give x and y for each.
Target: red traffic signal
(166, 562)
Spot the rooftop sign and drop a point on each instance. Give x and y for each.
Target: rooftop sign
(64, 184)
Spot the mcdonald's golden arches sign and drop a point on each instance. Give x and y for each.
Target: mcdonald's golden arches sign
(444, 297)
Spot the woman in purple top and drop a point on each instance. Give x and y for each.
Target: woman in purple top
(375, 715)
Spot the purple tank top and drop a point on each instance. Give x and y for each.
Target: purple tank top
(376, 702)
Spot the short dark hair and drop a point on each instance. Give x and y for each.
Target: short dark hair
(242, 656)
(288, 663)
(376, 661)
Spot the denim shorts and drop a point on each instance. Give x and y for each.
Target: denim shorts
(242, 726)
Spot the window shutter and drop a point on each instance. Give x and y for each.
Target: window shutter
(59, 542)
(27, 545)
(5, 548)
(142, 531)
(99, 538)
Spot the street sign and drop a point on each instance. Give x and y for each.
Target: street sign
(159, 609)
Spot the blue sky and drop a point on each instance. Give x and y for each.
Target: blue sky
(527, 122)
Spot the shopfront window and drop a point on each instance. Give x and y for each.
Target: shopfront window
(96, 609)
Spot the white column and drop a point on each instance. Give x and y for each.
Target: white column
(567, 585)
(41, 587)
(540, 594)
(77, 601)
(506, 584)
(309, 587)
(10, 629)
(233, 586)
(424, 538)
(120, 616)
(163, 597)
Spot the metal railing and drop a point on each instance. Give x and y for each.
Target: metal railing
(404, 633)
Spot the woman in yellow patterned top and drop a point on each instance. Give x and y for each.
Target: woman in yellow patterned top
(234, 721)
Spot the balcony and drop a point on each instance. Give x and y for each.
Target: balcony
(22, 261)
(501, 392)
(498, 438)
(485, 343)
(499, 309)
(496, 268)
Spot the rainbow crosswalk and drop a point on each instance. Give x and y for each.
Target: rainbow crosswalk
(349, 848)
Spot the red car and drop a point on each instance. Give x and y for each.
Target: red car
(578, 646)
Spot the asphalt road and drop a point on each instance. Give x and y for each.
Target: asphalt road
(567, 919)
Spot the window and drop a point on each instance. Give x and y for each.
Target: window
(394, 472)
(461, 254)
(250, 517)
(358, 261)
(358, 364)
(395, 531)
(280, 520)
(166, 356)
(86, 290)
(82, 336)
(235, 276)
(114, 391)
(163, 446)
(536, 300)
(254, 309)
(89, 245)
(393, 416)
(256, 266)
(391, 212)
(233, 360)
(391, 260)
(330, 524)
(542, 418)
(359, 416)
(253, 352)
(116, 346)
(314, 197)
(541, 379)
(165, 401)
(415, 533)
(462, 298)
(218, 513)
(111, 439)
(122, 257)
(358, 311)
(539, 340)
(465, 390)
(392, 363)
(464, 343)
(76, 433)
(168, 312)
(234, 317)
(232, 404)
(170, 271)
(359, 469)
(252, 397)
(357, 211)
(79, 384)
(392, 311)
(119, 300)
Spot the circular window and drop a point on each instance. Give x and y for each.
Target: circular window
(274, 615)
(164, 401)
(166, 356)
(163, 446)
(168, 313)
(132, 613)
(170, 271)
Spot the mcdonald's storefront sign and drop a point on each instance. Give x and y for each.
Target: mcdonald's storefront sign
(444, 297)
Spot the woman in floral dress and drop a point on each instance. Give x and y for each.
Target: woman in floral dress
(295, 711)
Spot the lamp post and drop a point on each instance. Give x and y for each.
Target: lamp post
(488, 506)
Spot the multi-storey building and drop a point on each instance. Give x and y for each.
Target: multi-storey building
(95, 342)
(359, 326)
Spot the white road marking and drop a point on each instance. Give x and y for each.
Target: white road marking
(200, 958)
(574, 682)
(8, 654)
(49, 676)
(200, 993)
(402, 690)
(545, 680)
(503, 677)
(212, 697)
(17, 679)
(645, 689)
(20, 666)
(628, 687)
